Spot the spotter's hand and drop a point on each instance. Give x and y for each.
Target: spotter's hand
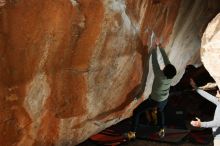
(196, 123)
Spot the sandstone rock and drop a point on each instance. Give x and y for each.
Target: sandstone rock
(71, 68)
(2, 3)
(210, 48)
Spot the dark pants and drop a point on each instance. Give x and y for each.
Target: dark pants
(147, 105)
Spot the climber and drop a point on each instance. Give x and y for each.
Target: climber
(215, 123)
(160, 91)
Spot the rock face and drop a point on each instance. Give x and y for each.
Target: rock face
(210, 52)
(71, 68)
(2, 3)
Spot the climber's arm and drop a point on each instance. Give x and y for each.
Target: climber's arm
(165, 57)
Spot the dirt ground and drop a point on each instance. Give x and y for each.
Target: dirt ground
(146, 143)
(149, 143)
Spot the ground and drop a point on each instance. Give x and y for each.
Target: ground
(146, 143)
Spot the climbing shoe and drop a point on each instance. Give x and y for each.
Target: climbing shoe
(130, 135)
(161, 133)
